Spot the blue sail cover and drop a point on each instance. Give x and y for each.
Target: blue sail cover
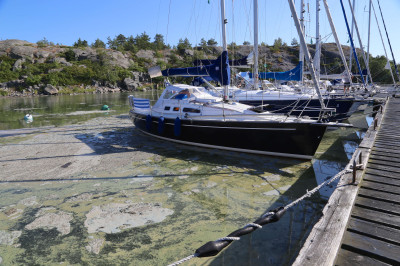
(294, 74)
(219, 71)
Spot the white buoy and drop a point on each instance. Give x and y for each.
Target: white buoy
(28, 118)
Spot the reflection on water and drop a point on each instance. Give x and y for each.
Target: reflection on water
(160, 208)
(52, 110)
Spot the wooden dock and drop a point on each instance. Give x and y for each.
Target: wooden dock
(372, 236)
(361, 221)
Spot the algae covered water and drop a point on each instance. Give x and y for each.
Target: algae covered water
(99, 192)
(63, 109)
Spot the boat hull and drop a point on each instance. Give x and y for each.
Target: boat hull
(295, 140)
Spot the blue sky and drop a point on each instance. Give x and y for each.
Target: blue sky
(66, 21)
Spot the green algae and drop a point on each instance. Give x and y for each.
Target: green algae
(211, 194)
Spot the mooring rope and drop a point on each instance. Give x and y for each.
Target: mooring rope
(212, 248)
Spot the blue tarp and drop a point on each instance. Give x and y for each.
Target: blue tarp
(219, 71)
(294, 74)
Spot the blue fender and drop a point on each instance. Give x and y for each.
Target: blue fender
(148, 122)
(177, 127)
(161, 125)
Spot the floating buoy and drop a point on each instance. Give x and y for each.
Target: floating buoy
(105, 107)
(28, 118)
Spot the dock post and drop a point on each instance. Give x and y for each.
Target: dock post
(375, 123)
(354, 171)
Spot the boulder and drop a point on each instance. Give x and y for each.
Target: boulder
(130, 84)
(61, 60)
(43, 54)
(18, 64)
(87, 53)
(50, 90)
(119, 59)
(23, 51)
(145, 54)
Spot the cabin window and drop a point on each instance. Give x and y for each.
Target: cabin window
(176, 109)
(167, 108)
(191, 110)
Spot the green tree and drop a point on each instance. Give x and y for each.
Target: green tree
(159, 42)
(294, 42)
(211, 42)
(203, 43)
(43, 42)
(246, 43)
(143, 41)
(98, 44)
(183, 45)
(278, 43)
(130, 44)
(81, 43)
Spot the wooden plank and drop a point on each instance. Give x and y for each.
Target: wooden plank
(379, 195)
(373, 230)
(349, 258)
(382, 179)
(382, 173)
(388, 158)
(389, 220)
(383, 150)
(378, 205)
(389, 142)
(377, 166)
(381, 187)
(372, 248)
(385, 146)
(385, 163)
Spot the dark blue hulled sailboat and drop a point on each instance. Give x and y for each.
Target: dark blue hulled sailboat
(191, 115)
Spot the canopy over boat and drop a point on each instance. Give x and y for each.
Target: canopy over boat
(219, 71)
(294, 74)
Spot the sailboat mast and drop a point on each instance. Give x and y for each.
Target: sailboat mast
(352, 32)
(317, 56)
(361, 45)
(306, 52)
(369, 31)
(384, 46)
(301, 53)
(255, 48)
(328, 13)
(351, 42)
(390, 45)
(224, 45)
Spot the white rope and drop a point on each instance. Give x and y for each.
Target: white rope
(228, 238)
(313, 191)
(252, 225)
(182, 260)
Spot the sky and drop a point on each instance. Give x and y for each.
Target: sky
(64, 22)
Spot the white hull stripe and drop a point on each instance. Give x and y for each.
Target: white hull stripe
(289, 155)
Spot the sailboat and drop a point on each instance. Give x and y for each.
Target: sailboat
(190, 115)
(301, 100)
